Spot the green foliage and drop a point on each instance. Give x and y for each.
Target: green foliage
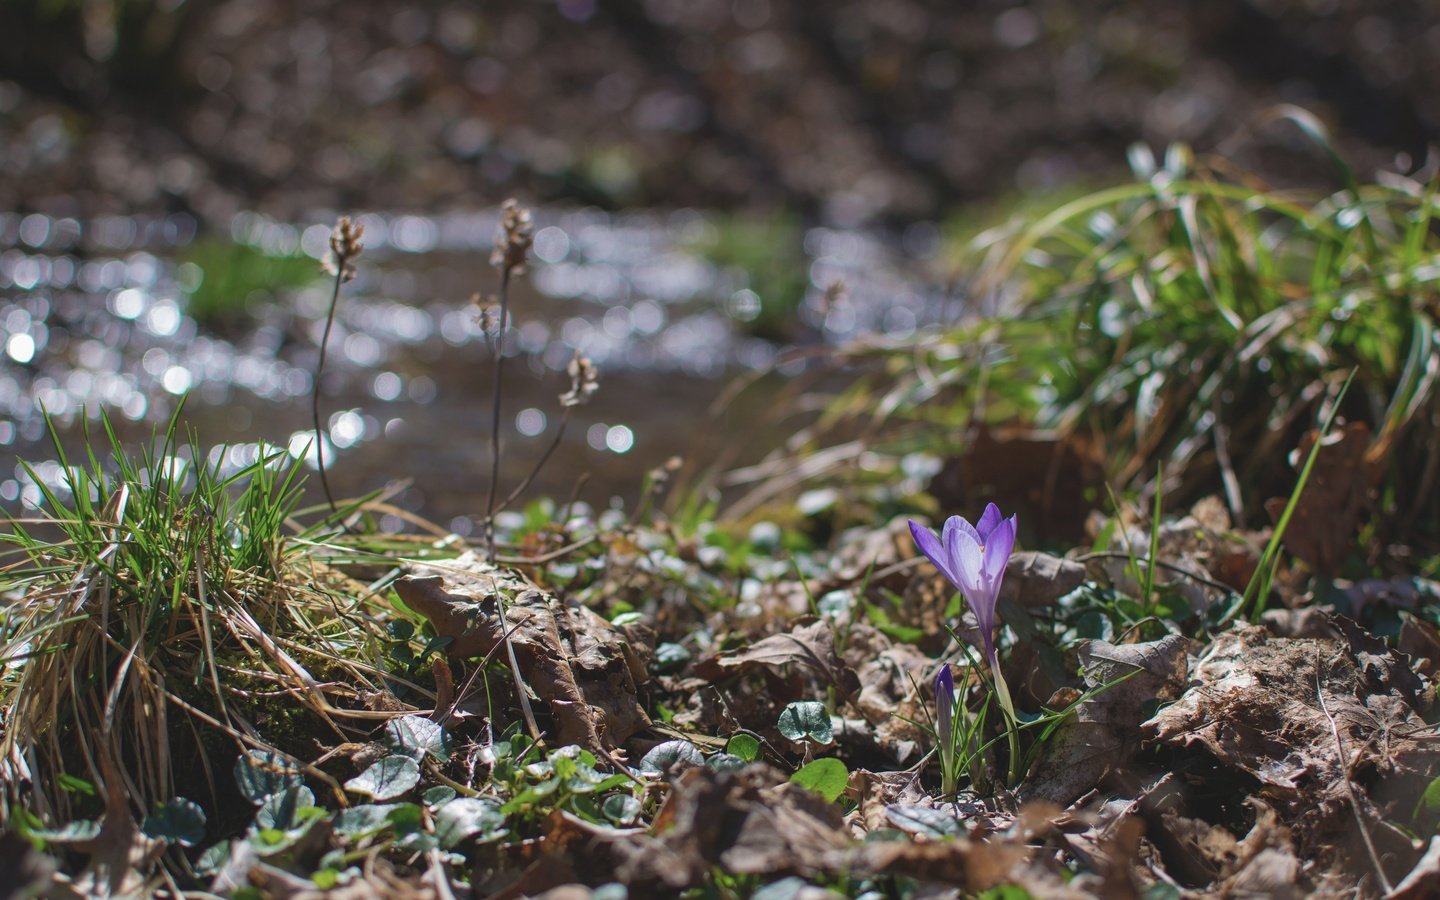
(466, 817)
(744, 746)
(806, 721)
(187, 563)
(826, 777)
(261, 775)
(225, 277)
(416, 736)
(670, 756)
(769, 252)
(1192, 319)
(180, 822)
(387, 778)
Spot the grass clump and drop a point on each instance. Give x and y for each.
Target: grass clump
(161, 613)
(1195, 318)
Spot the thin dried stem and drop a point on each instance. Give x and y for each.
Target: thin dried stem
(512, 248)
(345, 246)
(495, 395)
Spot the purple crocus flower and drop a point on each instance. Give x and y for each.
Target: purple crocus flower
(973, 557)
(944, 703)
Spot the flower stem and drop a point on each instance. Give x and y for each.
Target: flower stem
(1012, 724)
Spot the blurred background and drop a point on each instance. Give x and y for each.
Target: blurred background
(702, 172)
(860, 112)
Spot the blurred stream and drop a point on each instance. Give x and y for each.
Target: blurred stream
(98, 315)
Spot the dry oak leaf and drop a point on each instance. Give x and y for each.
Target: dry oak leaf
(1255, 708)
(583, 668)
(1327, 516)
(808, 647)
(1104, 733)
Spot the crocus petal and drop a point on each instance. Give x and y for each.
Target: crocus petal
(965, 553)
(992, 655)
(997, 552)
(944, 698)
(987, 523)
(983, 607)
(934, 551)
(944, 714)
(958, 525)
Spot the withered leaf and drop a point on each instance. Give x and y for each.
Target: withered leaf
(1039, 579)
(1322, 529)
(585, 669)
(808, 647)
(1104, 731)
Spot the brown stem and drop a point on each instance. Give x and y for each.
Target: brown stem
(315, 388)
(540, 464)
(495, 413)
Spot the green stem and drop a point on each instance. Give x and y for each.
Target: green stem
(1012, 724)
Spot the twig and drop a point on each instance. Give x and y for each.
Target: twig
(530, 722)
(548, 557)
(1221, 433)
(584, 381)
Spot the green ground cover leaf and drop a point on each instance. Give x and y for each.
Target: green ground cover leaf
(465, 817)
(826, 777)
(415, 736)
(806, 720)
(261, 774)
(180, 821)
(387, 778)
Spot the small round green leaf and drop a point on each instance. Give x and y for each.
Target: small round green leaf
(260, 774)
(622, 809)
(826, 777)
(386, 779)
(744, 746)
(403, 629)
(725, 762)
(926, 821)
(435, 796)
(415, 736)
(213, 859)
(282, 810)
(806, 720)
(180, 822)
(671, 757)
(464, 817)
(362, 819)
(670, 657)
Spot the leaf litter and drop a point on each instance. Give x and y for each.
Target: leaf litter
(787, 741)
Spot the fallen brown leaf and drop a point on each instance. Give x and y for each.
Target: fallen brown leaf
(585, 669)
(1103, 733)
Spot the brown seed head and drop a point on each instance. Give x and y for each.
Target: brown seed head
(512, 244)
(834, 296)
(584, 381)
(346, 245)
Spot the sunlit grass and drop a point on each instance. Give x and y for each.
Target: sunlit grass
(1194, 318)
(159, 609)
